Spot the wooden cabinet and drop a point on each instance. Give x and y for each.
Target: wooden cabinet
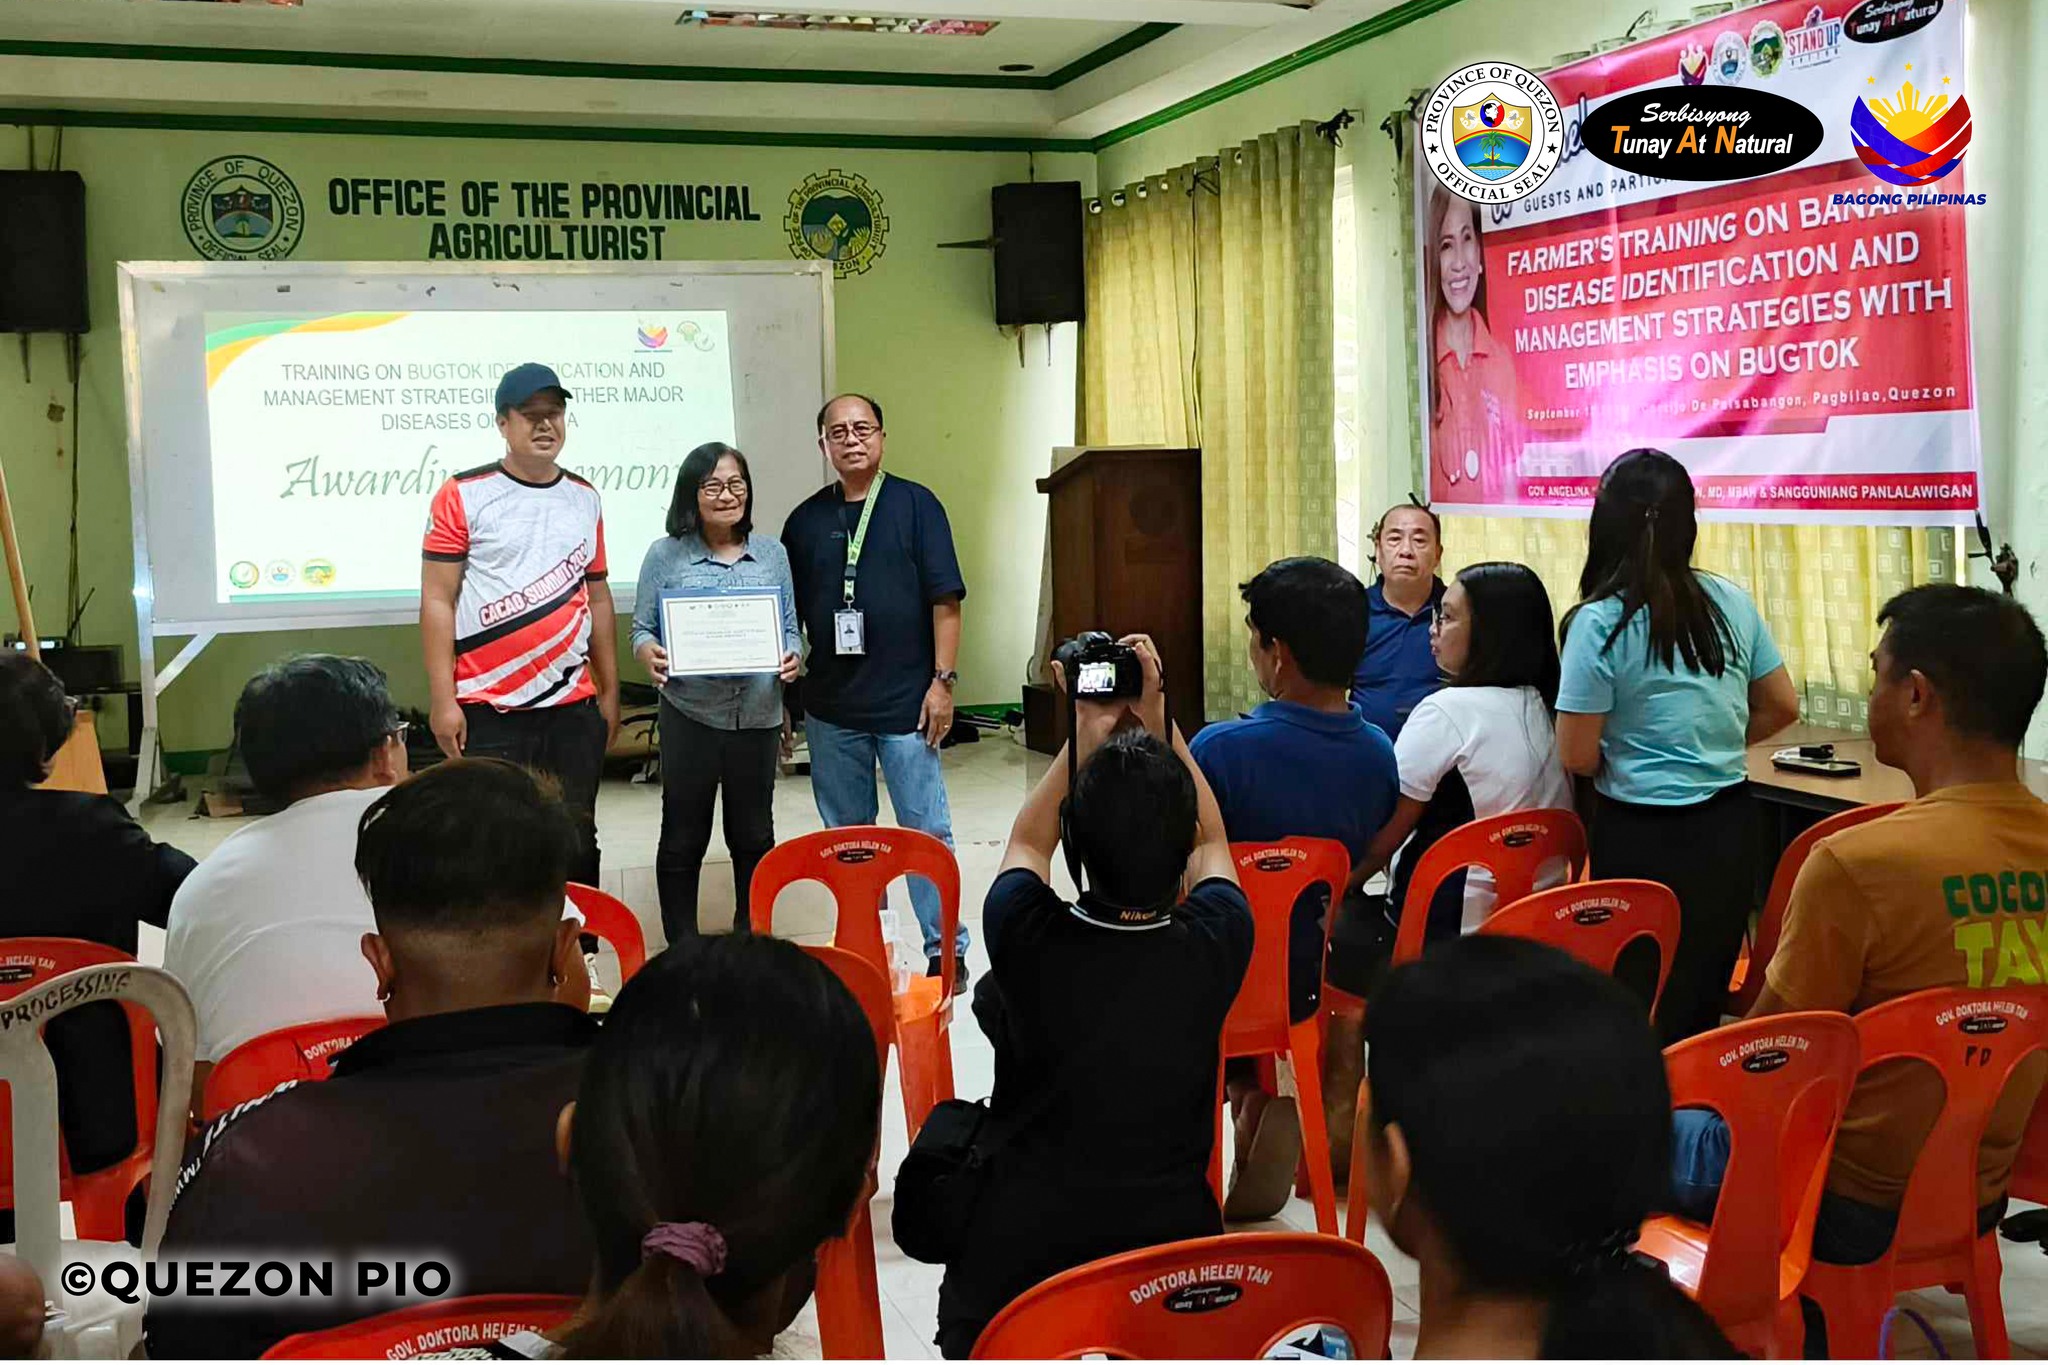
(1126, 533)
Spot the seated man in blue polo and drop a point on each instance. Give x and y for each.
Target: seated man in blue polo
(1397, 669)
(1305, 764)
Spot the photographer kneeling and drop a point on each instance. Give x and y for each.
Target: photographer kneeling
(1105, 1014)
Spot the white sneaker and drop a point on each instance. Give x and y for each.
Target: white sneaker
(600, 998)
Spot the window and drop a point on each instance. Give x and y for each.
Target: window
(1344, 317)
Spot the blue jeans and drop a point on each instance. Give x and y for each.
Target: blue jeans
(843, 781)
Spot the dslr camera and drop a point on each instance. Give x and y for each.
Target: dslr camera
(1100, 669)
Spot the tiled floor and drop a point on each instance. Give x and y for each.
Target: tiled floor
(986, 782)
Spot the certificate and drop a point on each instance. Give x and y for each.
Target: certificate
(709, 632)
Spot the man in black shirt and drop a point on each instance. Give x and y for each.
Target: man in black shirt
(1106, 1014)
(434, 1136)
(78, 866)
(878, 589)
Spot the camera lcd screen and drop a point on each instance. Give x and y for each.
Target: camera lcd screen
(1096, 679)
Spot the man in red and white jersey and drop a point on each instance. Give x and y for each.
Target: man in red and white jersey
(515, 614)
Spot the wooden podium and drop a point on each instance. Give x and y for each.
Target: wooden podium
(1126, 539)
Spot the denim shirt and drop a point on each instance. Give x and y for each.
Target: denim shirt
(745, 701)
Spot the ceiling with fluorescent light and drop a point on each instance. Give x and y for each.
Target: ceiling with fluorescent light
(1093, 65)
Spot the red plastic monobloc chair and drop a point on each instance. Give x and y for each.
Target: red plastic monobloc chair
(302, 1052)
(849, 1296)
(613, 922)
(2030, 1167)
(430, 1327)
(1974, 1039)
(1515, 848)
(1235, 1297)
(1274, 876)
(1596, 922)
(857, 863)
(98, 1199)
(1748, 980)
(1781, 1084)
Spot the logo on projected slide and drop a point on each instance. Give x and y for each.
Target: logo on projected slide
(837, 217)
(1913, 138)
(1492, 132)
(243, 573)
(652, 336)
(280, 573)
(242, 208)
(318, 573)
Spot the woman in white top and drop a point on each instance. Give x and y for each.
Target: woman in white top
(1484, 745)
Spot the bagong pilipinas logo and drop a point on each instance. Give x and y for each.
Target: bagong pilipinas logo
(652, 338)
(837, 217)
(1910, 139)
(1492, 132)
(242, 208)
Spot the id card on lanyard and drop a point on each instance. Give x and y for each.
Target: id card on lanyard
(849, 624)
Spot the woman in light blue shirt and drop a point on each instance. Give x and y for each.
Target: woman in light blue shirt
(716, 732)
(1669, 675)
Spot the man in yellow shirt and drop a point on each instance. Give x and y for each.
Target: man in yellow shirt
(1949, 890)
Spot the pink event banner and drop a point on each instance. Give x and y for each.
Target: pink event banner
(1806, 355)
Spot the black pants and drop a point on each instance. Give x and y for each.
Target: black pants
(564, 741)
(1705, 854)
(696, 762)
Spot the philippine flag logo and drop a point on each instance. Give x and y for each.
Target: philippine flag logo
(1911, 139)
(653, 338)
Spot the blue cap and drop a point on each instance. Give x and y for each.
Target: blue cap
(522, 382)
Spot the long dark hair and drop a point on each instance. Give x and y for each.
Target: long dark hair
(1536, 1151)
(1639, 549)
(1510, 639)
(698, 466)
(734, 1084)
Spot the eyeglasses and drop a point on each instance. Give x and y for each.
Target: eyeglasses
(735, 485)
(399, 731)
(855, 431)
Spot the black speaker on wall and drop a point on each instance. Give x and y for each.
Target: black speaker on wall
(42, 251)
(1038, 252)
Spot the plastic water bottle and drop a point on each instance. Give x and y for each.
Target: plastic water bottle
(899, 952)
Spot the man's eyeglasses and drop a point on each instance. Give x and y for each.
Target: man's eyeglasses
(735, 485)
(855, 431)
(399, 731)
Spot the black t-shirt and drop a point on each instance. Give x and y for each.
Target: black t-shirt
(80, 867)
(906, 564)
(1127, 1022)
(434, 1138)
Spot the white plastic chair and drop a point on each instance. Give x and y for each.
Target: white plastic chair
(96, 1325)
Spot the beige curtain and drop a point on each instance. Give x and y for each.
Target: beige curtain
(1209, 325)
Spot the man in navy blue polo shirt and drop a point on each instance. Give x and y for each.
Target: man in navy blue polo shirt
(878, 589)
(1398, 670)
(1305, 764)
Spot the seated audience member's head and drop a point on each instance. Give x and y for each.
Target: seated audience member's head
(1956, 668)
(466, 867)
(1132, 820)
(319, 723)
(35, 720)
(1306, 620)
(22, 1310)
(1493, 630)
(1520, 1132)
(1408, 544)
(725, 1129)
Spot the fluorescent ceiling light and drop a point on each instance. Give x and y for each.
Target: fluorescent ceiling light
(836, 23)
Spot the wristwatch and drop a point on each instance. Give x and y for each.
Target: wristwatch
(948, 676)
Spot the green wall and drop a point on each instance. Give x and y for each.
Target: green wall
(967, 416)
(2008, 92)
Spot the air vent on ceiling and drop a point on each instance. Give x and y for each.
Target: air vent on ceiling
(836, 23)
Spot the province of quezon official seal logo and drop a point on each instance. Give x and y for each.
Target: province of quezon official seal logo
(1492, 132)
(837, 217)
(242, 208)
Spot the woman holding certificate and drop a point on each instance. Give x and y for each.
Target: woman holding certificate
(715, 626)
